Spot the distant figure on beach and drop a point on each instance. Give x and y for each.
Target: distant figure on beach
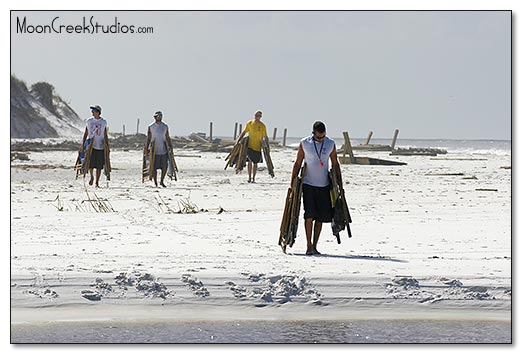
(315, 150)
(158, 133)
(256, 131)
(96, 129)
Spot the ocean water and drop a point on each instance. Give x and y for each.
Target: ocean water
(281, 332)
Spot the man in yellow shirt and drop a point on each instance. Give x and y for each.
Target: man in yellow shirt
(256, 131)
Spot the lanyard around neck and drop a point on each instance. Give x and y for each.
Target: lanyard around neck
(320, 150)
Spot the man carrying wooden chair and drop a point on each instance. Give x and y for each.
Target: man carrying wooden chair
(256, 131)
(96, 130)
(316, 151)
(158, 133)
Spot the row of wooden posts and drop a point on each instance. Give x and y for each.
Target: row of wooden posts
(211, 136)
(137, 127)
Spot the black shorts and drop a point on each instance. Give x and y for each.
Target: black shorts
(160, 162)
(97, 159)
(254, 156)
(317, 203)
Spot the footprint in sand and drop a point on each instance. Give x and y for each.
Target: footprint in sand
(238, 291)
(195, 285)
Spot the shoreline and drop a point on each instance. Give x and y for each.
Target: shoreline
(231, 311)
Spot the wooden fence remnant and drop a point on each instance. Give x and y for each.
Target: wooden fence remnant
(394, 139)
(359, 160)
(368, 138)
(235, 131)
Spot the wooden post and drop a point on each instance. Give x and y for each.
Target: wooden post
(394, 140)
(368, 138)
(210, 132)
(240, 128)
(275, 133)
(284, 137)
(138, 127)
(123, 129)
(348, 147)
(235, 131)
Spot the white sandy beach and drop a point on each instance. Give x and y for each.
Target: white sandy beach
(426, 245)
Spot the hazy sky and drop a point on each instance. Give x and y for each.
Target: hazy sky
(429, 74)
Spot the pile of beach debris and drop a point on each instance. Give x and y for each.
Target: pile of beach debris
(410, 151)
(44, 145)
(195, 141)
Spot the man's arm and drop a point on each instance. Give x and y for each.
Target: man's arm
(247, 128)
(167, 135)
(146, 147)
(265, 135)
(85, 135)
(297, 164)
(335, 165)
(106, 136)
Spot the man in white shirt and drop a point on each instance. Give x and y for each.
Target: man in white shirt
(316, 151)
(96, 129)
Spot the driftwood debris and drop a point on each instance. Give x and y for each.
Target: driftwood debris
(418, 151)
(377, 147)
(124, 142)
(19, 156)
(370, 161)
(359, 160)
(445, 174)
(198, 137)
(411, 151)
(458, 159)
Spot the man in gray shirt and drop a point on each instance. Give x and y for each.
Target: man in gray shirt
(158, 133)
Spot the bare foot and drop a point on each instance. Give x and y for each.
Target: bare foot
(315, 251)
(91, 181)
(163, 185)
(309, 252)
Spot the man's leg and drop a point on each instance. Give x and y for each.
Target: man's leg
(98, 174)
(254, 172)
(155, 176)
(249, 170)
(308, 230)
(163, 173)
(92, 177)
(317, 231)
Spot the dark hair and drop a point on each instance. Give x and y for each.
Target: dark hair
(319, 127)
